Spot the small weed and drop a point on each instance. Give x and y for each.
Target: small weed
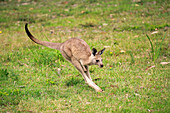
(110, 53)
(132, 57)
(72, 81)
(51, 82)
(4, 74)
(155, 51)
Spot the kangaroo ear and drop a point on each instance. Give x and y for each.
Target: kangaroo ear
(101, 51)
(94, 51)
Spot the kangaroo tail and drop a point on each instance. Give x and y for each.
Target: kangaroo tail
(44, 43)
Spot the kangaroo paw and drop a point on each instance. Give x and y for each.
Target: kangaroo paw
(99, 90)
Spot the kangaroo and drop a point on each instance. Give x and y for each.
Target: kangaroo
(78, 52)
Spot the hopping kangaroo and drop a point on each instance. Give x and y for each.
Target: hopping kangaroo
(78, 52)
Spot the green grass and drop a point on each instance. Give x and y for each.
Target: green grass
(38, 79)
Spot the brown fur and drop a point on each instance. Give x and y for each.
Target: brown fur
(78, 52)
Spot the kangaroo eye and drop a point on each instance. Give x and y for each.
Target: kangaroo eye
(97, 60)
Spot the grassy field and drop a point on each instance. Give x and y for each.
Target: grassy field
(135, 77)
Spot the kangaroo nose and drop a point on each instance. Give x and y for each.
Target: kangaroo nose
(101, 65)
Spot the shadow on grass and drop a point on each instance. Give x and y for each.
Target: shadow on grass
(72, 81)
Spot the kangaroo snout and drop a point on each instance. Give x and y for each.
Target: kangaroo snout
(101, 65)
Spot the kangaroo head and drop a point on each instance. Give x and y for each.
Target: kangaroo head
(97, 59)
